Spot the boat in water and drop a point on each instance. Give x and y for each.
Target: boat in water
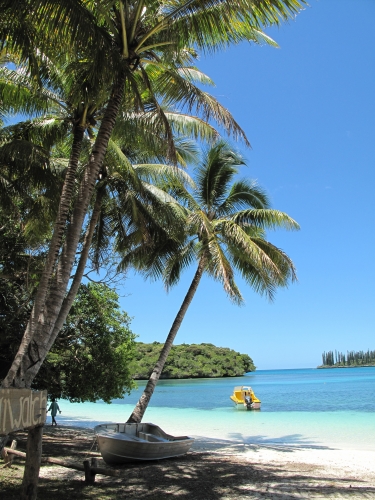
(121, 443)
(243, 397)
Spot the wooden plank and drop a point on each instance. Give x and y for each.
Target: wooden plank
(21, 454)
(8, 457)
(21, 409)
(69, 465)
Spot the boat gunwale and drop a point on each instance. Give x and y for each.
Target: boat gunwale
(166, 438)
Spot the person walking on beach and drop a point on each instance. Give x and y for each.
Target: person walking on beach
(54, 407)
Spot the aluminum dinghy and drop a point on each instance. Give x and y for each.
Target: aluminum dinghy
(121, 443)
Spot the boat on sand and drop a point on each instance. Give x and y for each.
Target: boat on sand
(243, 397)
(121, 443)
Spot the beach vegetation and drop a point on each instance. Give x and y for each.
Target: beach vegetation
(123, 58)
(91, 359)
(35, 156)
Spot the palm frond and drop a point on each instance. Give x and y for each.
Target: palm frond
(117, 163)
(19, 96)
(156, 172)
(215, 173)
(266, 218)
(264, 258)
(176, 90)
(192, 126)
(214, 24)
(194, 75)
(177, 263)
(43, 132)
(243, 194)
(220, 268)
(187, 152)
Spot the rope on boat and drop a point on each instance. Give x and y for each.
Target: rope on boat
(90, 450)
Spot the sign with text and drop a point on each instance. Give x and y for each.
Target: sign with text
(21, 409)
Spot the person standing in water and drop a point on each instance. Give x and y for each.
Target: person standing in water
(54, 407)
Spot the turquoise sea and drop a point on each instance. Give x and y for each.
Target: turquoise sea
(304, 408)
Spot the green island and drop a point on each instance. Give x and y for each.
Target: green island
(191, 361)
(351, 359)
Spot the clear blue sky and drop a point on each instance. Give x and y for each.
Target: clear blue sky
(308, 109)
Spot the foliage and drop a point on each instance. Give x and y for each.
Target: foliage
(20, 264)
(352, 358)
(91, 358)
(108, 54)
(225, 231)
(192, 361)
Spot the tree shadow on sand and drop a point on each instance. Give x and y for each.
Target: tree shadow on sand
(204, 476)
(221, 473)
(238, 443)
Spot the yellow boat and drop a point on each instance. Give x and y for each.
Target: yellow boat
(243, 397)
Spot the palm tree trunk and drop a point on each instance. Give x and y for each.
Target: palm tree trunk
(36, 351)
(144, 400)
(53, 251)
(69, 299)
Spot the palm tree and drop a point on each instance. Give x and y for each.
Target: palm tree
(131, 123)
(123, 41)
(226, 222)
(29, 179)
(116, 40)
(61, 115)
(147, 121)
(127, 201)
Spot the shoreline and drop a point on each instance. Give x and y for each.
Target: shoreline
(328, 367)
(338, 430)
(213, 469)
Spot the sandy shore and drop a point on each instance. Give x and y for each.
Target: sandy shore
(213, 469)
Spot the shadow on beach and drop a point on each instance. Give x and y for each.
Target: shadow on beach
(240, 444)
(220, 471)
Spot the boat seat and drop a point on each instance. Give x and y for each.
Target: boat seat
(123, 436)
(152, 438)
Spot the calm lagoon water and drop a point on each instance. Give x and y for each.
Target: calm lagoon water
(302, 408)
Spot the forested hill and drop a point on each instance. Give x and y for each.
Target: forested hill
(192, 361)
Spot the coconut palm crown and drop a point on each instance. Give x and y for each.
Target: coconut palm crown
(226, 220)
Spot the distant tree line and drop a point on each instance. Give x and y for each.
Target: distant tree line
(191, 361)
(351, 358)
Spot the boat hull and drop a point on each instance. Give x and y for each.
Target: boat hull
(122, 443)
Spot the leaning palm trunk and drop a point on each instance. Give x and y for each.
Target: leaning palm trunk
(144, 400)
(34, 442)
(53, 252)
(23, 375)
(71, 295)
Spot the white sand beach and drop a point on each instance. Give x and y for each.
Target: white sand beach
(224, 469)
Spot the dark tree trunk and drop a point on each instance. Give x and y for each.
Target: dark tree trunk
(144, 400)
(32, 465)
(69, 299)
(53, 252)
